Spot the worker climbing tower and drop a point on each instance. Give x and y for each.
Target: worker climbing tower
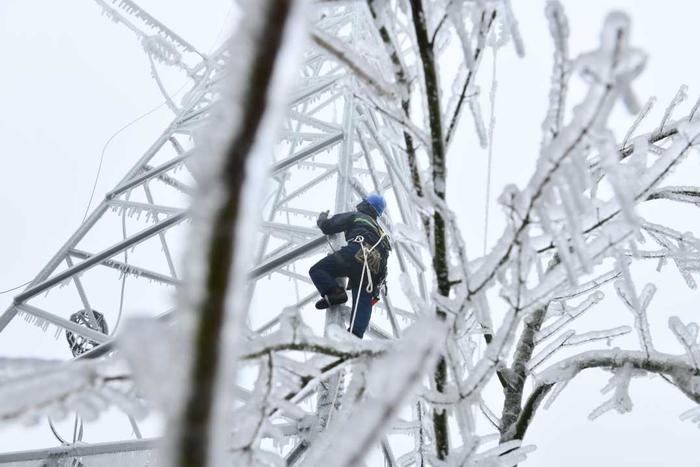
(334, 148)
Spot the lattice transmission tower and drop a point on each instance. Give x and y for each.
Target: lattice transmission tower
(335, 147)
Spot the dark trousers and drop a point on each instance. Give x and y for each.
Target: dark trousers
(342, 264)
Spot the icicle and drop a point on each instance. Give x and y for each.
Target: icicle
(638, 306)
(454, 13)
(640, 116)
(132, 9)
(568, 315)
(625, 285)
(475, 109)
(573, 223)
(680, 96)
(622, 185)
(567, 259)
(559, 29)
(545, 353)
(687, 335)
(621, 401)
(41, 323)
(693, 415)
(556, 391)
(606, 335)
(514, 29)
(694, 110)
(158, 48)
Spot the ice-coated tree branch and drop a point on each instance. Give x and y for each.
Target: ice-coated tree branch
(402, 80)
(299, 338)
(559, 29)
(30, 389)
(354, 62)
(391, 381)
(485, 27)
(248, 120)
(516, 376)
(678, 369)
(516, 417)
(330, 349)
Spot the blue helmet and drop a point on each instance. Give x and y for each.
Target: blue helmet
(377, 202)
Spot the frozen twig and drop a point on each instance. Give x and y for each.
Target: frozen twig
(353, 62)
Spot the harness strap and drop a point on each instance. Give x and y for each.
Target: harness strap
(368, 221)
(365, 268)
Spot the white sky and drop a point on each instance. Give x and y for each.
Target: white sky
(71, 78)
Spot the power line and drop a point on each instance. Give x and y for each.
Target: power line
(142, 116)
(492, 125)
(120, 130)
(14, 288)
(109, 141)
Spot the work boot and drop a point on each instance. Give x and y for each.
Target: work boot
(333, 297)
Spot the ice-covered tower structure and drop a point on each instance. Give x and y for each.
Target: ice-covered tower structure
(335, 147)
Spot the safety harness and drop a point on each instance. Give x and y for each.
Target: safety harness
(370, 258)
(367, 269)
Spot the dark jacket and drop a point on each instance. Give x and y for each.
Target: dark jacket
(354, 224)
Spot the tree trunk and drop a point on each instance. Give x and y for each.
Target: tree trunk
(432, 88)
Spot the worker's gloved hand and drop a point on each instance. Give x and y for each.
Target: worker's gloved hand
(321, 218)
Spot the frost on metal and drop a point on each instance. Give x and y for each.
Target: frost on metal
(367, 110)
